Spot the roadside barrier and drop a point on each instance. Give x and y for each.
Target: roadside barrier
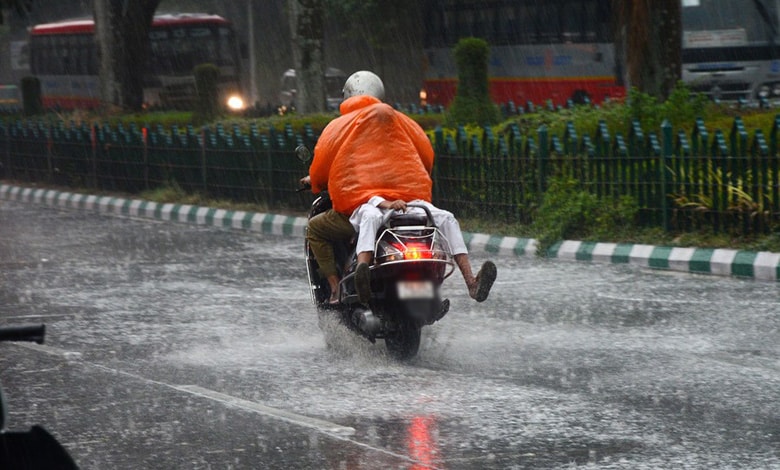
(764, 266)
(679, 180)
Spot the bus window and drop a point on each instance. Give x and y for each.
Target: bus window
(572, 21)
(450, 27)
(227, 48)
(506, 25)
(526, 24)
(548, 23)
(483, 24)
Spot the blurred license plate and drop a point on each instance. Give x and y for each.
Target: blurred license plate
(415, 290)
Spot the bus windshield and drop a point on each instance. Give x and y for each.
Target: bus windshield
(177, 50)
(728, 23)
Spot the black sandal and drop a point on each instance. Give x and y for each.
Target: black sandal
(485, 279)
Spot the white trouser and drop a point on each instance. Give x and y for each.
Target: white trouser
(367, 219)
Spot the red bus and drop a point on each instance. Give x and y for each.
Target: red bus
(556, 50)
(64, 57)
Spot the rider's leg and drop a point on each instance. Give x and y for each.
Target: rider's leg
(323, 230)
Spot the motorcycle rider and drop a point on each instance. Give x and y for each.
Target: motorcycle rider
(374, 158)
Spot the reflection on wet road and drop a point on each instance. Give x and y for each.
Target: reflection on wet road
(172, 346)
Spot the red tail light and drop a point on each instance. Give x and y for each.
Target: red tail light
(414, 250)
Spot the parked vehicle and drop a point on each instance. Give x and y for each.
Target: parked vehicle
(64, 56)
(539, 51)
(565, 50)
(334, 80)
(730, 49)
(10, 98)
(35, 449)
(411, 260)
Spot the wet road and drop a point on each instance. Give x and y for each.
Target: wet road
(173, 346)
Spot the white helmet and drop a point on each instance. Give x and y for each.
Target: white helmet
(364, 83)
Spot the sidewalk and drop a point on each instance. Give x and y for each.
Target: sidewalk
(764, 266)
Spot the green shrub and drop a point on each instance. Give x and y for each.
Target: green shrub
(681, 108)
(207, 104)
(31, 96)
(568, 212)
(472, 100)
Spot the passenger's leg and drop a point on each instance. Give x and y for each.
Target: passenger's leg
(369, 221)
(479, 286)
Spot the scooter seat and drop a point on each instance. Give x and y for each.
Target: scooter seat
(406, 220)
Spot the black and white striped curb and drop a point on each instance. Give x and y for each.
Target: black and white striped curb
(726, 262)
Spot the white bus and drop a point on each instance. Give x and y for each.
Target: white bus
(731, 49)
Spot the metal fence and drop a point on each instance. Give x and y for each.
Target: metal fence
(680, 181)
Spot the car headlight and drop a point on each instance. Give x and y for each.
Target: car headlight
(235, 103)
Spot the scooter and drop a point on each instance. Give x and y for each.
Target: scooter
(412, 258)
(35, 449)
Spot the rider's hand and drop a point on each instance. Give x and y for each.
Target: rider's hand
(306, 181)
(397, 205)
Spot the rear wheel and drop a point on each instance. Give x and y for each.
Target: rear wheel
(404, 342)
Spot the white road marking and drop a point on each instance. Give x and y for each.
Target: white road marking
(333, 430)
(52, 351)
(52, 315)
(294, 418)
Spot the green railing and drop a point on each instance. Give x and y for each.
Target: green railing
(681, 181)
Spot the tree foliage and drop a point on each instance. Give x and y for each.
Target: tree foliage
(472, 102)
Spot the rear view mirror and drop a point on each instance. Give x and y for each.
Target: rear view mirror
(303, 153)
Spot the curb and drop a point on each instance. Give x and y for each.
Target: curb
(764, 266)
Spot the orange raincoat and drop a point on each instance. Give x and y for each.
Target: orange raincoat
(371, 150)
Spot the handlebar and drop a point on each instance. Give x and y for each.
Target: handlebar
(32, 333)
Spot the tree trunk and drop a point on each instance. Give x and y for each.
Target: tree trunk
(306, 26)
(650, 33)
(122, 35)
